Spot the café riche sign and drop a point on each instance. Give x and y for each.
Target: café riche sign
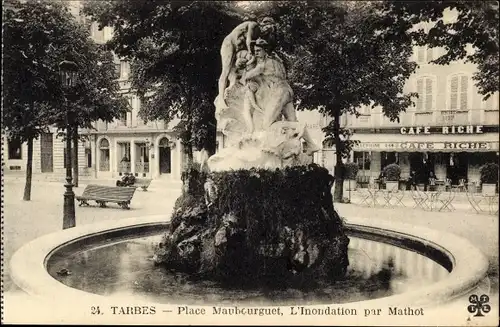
(442, 130)
(416, 145)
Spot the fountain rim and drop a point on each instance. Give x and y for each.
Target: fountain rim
(29, 273)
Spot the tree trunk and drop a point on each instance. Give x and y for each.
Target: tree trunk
(188, 164)
(75, 156)
(29, 171)
(188, 151)
(338, 172)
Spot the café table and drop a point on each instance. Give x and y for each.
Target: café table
(482, 203)
(433, 197)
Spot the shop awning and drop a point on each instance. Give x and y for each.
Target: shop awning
(427, 143)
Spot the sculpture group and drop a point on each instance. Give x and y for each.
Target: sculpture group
(248, 220)
(254, 108)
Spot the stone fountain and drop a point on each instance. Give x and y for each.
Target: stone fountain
(256, 211)
(262, 209)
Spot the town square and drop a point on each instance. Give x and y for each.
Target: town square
(250, 162)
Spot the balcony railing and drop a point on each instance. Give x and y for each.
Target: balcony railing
(361, 121)
(491, 117)
(104, 165)
(427, 118)
(453, 117)
(124, 167)
(423, 118)
(142, 167)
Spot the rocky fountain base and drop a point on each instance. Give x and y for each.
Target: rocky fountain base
(250, 225)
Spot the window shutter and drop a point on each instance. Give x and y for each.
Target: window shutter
(454, 93)
(124, 69)
(117, 70)
(420, 91)
(464, 88)
(420, 54)
(428, 93)
(430, 55)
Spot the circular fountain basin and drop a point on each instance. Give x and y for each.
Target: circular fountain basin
(112, 260)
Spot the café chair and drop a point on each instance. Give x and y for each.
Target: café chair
(420, 198)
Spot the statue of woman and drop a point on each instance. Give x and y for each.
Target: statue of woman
(239, 38)
(242, 64)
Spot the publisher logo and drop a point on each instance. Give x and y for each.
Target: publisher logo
(479, 305)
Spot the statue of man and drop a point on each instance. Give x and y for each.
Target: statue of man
(268, 32)
(241, 37)
(269, 71)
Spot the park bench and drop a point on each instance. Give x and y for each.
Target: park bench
(139, 182)
(102, 194)
(142, 183)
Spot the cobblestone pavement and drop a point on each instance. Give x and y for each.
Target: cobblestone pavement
(27, 220)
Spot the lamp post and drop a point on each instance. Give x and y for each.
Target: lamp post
(68, 74)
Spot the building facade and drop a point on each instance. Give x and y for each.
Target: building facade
(126, 145)
(451, 128)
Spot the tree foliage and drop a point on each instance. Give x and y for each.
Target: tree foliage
(39, 35)
(174, 52)
(342, 55)
(475, 24)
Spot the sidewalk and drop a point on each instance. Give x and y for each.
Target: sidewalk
(27, 220)
(459, 203)
(85, 180)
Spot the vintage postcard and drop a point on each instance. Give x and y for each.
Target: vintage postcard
(250, 162)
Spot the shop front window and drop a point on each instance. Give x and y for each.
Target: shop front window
(104, 155)
(457, 167)
(88, 156)
(387, 158)
(15, 152)
(124, 157)
(422, 165)
(142, 161)
(363, 160)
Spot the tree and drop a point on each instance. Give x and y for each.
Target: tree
(341, 56)
(38, 35)
(174, 52)
(96, 95)
(475, 24)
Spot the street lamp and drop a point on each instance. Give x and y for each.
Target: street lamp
(68, 74)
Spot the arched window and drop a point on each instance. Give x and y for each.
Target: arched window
(458, 90)
(104, 155)
(164, 142)
(426, 89)
(104, 144)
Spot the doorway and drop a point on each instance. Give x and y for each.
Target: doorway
(46, 153)
(457, 167)
(165, 156)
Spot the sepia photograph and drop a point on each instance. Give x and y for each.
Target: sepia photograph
(250, 162)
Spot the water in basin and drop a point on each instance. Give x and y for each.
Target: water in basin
(124, 267)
